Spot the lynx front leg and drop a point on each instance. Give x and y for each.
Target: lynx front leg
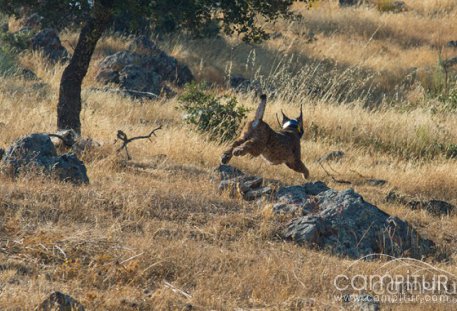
(298, 166)
(227, 155)
(248, 147)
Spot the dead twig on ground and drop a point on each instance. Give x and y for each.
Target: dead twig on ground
(125, 140)
(333, 178)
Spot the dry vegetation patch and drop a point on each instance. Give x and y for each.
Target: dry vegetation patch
(153, 233)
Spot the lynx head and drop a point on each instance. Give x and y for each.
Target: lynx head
(293, 124)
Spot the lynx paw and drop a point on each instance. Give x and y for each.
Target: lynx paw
(225, 158)
(237, 152)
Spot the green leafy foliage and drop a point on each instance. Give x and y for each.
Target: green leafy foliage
(199, 17)
(220, 117)
(17, 41)
(7, 63)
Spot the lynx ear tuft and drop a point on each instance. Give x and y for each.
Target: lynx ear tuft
(263, 97)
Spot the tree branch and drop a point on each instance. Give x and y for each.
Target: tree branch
(125, 140)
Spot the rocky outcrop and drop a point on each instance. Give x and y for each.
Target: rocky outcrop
(348, 2)
(345, 224)
(143, 68)
(341, 222)
(48, 41)
(36, 153)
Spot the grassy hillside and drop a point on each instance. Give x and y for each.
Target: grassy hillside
(138, 233)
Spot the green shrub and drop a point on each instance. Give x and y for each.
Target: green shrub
(17, 41)
(220, 117)
(10, 45)
(7, 62)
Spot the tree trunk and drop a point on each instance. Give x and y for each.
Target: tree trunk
(69, 106)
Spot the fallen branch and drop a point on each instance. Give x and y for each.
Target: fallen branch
(130, 92)
(125, 140)
(68, 142)
(333, 178)
(177, 290)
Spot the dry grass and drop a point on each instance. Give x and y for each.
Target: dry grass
(117, 243)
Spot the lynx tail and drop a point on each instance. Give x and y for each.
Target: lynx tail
(260, 110)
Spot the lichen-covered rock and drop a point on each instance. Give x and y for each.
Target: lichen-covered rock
(348, 2)
(134, 77)
(36, 152)
(225, 171)
(143, 68)
(346, 225)
(48, 41)
(338, 221)
(300, 193)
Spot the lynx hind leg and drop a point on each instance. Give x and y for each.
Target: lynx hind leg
(299, 167)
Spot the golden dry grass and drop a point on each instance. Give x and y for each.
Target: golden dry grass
(119, 242)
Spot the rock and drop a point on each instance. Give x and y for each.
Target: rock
(376, 182)
(61, 302)
(452, 44)
(349, 2)
(4, 27)
(331, 156)
(248, 187)
(143, 68)
(393, 6)
(291, 199)
(69, 168)
(169, 69)
(119, 60)
(240, 184)
(300, 194)
(32, 22)
(134, 77)
(362, 302)
(254, 194)
(434, 207)
(348, 226)
(227, 172)
(108, 76)
(48, 41)
(36, 151)
(143, 46)
(399, 6)
(28, 74)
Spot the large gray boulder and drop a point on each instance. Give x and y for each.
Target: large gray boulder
(346, 225)
(36, 152)
(338, 221)
(48, 41)
(134, 77)
(143, 68)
